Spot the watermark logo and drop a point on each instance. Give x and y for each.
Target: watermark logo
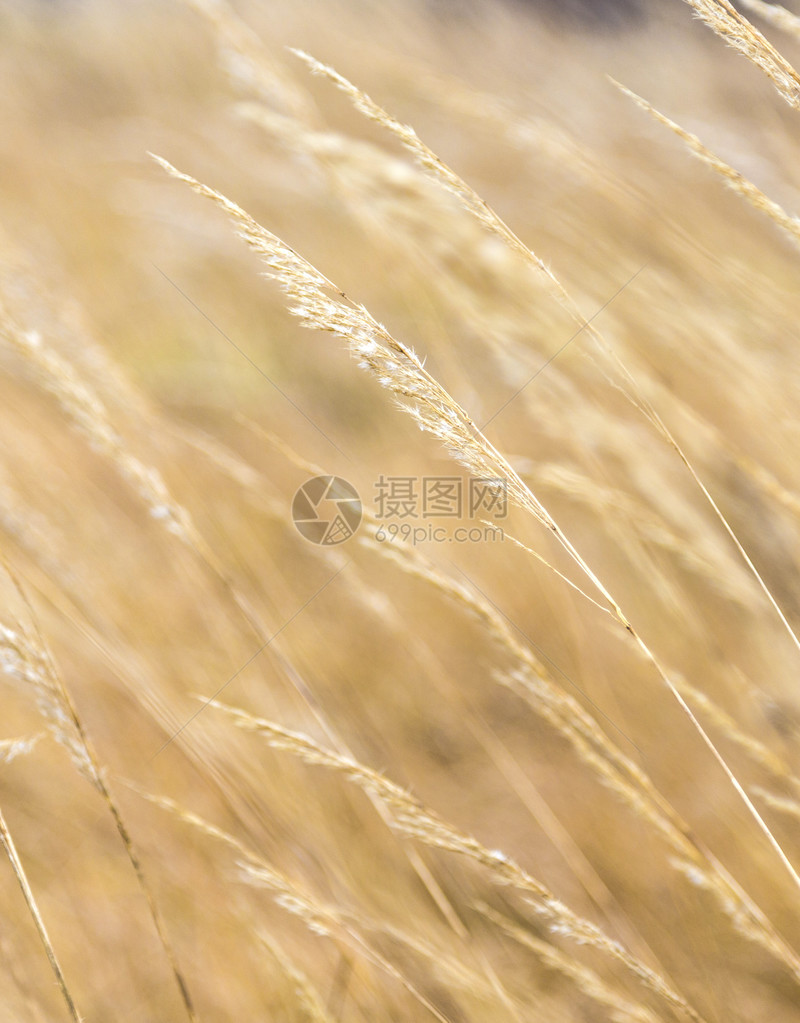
(389, 532)
(326, 510)
(440, 497)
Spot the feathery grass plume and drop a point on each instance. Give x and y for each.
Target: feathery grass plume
(733, 179)
(377, 186)
(792, 226)
(538, 135)
(26, 659)
(701, 561)
(321, 305)
(247, 61)
(457, 186)
(700, 867)
(775, 15)
(736, 30)
(321, 918)
(89, 414)
(431, 163)
(781, 804)
(530, 679)
(308, 999)
(757, 751)
(742, 923)
(413, 819)
(489, 219)
(427, 234)
(487, 216)
(325, 922)
(10, 749)
(7, 843)
(563, 711)
(588, 982)
(400, 203)
(26, 665)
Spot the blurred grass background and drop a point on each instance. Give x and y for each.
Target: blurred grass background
(143, 293)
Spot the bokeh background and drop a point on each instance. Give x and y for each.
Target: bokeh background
(160, 407)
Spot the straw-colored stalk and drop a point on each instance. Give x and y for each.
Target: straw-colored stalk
(26, 660)
(30, 901)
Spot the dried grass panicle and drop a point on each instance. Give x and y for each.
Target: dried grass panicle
(10, 749)
(491, 220)
(780, 804)
(587, 981)
(308, 998)
(321, 305)
(752, 928)
(736, 30)
(689, 550)
(433, 164)
(531, 681)
(412, 819)
(761, 754)
(610, 765)
(26, 659)
(27, 665)
(321, 918)
(88, 413)
(382, 192)
(733, 179)
(249, 64)
(775, 15)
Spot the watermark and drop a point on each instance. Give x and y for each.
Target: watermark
(406, 533)
(440, 497)
(327, 510)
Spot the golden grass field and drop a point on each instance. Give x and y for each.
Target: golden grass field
(551, 776)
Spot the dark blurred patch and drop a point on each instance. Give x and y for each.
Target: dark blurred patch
(588, 13)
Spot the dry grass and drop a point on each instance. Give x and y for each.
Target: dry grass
(246, 776)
